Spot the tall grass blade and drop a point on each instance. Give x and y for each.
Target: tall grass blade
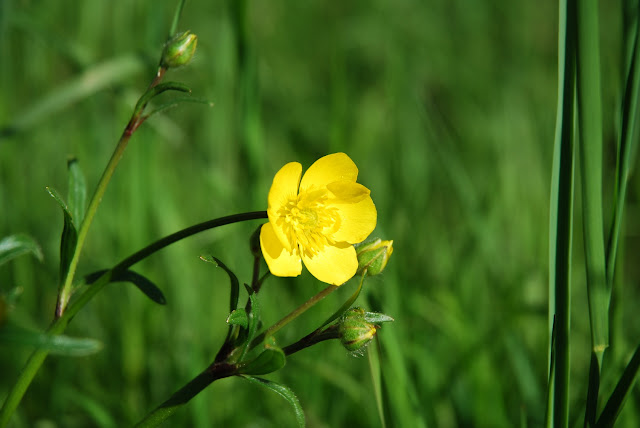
(590, 151)
(561, 221)
(628, 140)
(620, 393)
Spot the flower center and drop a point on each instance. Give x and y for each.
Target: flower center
(308, 222)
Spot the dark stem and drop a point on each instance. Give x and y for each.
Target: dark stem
(311, 339)
(185, 233)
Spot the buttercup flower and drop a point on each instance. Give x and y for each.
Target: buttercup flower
(317, 220)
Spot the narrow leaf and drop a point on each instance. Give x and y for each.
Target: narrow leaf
(254, 319)
(69, 235)
(175, 102)
(235, 284)
(77, 191)
(620, 393)
(238, 317)
(269, 361)
(57, 344)
(284, 392)
(143, 283)
(13, 246)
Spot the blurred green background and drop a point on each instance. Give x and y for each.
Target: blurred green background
(448, 109)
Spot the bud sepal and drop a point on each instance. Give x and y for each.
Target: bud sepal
(373, 256)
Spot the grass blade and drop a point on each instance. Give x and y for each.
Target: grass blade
(616, 401)
(13, 246)
(626, 148)
(561, 222)
(590, 151)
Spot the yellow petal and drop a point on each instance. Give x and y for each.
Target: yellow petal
(330, 168)
(334, 264)
(280, 261)
(357, 221)
(348, 191)
(284, 188)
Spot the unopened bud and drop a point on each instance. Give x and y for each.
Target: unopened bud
(355, 332)
(179, 50)
(373, 256)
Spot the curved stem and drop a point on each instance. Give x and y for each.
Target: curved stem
(185, 233)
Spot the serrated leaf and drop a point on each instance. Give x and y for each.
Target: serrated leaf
(57, 344)
(77, 191)
(269, 361)
(143, 283)
(238, 317)
(13, 246)
(69, 236)
(285, 392)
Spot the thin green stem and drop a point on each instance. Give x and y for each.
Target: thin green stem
(65, 290)
(293, 315)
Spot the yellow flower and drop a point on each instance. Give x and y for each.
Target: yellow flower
(317, 220)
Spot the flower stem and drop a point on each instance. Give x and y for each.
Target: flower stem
(293, 315)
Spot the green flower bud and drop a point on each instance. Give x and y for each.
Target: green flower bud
(179, 50)
(355, 332)
(373, 256)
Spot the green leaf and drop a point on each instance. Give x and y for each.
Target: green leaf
(377, 318)
(157, 90)
(269, 361)
(284, 392)
(77, 191)
(620, 393)
(69, 235)
(238, 317)
(175, 102)
(13, 246)
(254, 319)
(57, 344)
(235, 284)
(143, 283)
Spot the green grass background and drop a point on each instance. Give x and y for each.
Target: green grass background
(447, 108)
